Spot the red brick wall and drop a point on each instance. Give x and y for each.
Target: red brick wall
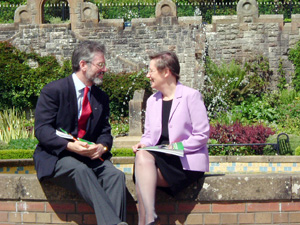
(170, 212)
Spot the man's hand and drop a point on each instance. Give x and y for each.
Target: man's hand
(93, 151)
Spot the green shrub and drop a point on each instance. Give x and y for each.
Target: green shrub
(231, 83)
(23, 143)
(120, 89)
(16, 154)
(28, 153)
(122, 152)
(288, 96)
(297, 150)
(289, 120)
(282, 83)
(269, 150)
(120, 127)
(20, 84)
(294, 56)
(3, 145)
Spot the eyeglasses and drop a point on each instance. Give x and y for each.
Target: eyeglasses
(100, 65)
(151, 71)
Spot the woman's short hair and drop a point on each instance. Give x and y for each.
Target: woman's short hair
(85, 51)
(167, 59)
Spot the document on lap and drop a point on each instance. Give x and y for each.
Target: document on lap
(177, 149)
(64, 134)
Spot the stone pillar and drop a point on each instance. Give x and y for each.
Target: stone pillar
(137, 108)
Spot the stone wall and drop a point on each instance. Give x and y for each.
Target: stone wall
(214, 199)
(242, 36)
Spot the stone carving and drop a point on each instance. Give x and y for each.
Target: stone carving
(89, 12)
(247, 11)
(22, 15)
(165, 8)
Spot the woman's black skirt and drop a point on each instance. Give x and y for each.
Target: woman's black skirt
(171, 169)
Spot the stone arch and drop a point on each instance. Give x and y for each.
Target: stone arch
(80, 11)
(40, 8)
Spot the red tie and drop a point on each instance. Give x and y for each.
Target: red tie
(85, 113)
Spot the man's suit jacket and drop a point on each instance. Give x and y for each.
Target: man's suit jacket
(57, 108)
(188, 123)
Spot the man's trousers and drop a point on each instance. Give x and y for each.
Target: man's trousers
(100, 184)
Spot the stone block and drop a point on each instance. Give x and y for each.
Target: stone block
(224, 19)
(137, 108)
(143, 22)
(119, 23)
(246, 187)
(186, 21)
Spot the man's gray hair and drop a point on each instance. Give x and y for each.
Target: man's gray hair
(85, 51)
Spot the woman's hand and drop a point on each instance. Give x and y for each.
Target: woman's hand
(139, 145)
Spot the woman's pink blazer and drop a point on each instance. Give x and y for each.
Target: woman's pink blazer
(188, 123)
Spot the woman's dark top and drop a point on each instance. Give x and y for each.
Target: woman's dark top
(166, 108)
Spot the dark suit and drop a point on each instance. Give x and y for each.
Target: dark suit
(56, 108)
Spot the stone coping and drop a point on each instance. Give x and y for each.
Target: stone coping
(210, 188)
(221, 159)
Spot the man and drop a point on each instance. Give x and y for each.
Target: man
(77, 106)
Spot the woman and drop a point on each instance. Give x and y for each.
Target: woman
(176, 113)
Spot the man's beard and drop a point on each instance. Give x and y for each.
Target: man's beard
(98, 81)
(95, 79)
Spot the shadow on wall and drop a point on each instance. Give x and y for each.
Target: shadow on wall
(71, 207)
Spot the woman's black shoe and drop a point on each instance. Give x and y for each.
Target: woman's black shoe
(155, 222)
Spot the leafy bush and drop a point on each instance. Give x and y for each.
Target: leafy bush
(282, 83)
(255, 110)
(20, 83)
(239, 134)
(230, 84)
(120, 89)
(23, 143)
(119, 127)
(294, 56)
(122, 152)
(3, 145)
(16, 154)
(289, 120)
(297, 151)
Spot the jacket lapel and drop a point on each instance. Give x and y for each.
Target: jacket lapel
(176, 100)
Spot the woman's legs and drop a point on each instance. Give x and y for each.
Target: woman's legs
(147, 177)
